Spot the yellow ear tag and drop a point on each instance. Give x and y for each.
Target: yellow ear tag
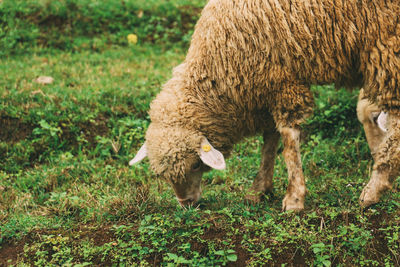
(206, 148)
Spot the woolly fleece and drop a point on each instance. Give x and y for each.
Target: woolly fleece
(251, 63)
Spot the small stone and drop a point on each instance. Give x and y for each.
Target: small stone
(44, 80)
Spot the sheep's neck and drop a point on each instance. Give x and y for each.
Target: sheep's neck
(222, 120)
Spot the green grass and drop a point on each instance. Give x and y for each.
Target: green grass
(77, 25)
(68, 196)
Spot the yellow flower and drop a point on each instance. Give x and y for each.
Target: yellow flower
(206, 148)
(132, 38)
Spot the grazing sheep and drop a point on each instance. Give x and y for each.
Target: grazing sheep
(373, 120)
(249, 69)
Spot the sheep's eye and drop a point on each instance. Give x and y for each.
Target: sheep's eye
(375, 117)
(196, 166)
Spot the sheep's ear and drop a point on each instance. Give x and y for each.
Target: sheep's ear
(210, 156)
(382, 121)
(142, 153)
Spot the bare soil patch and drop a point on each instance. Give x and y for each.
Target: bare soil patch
(10, 252)
(289, 254)
(13, 130)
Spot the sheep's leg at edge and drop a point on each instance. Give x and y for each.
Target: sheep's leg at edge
(296, 191)
(387, 165)
(263, 181)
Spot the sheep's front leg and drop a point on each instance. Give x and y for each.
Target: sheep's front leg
(387, 165)
(296, 191)
(263, 182)
(293, 103)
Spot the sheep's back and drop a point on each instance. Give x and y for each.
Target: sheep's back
(250, 47)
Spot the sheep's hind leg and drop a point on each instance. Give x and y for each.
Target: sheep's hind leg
(263, 182)
(296, 191)
(387, 165)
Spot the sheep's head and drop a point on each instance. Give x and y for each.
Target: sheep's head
(180, 156)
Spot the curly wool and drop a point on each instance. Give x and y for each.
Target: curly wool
(251, 63)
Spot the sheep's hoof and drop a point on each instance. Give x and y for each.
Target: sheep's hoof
(253, 197)
(256, 196)
(292, 203)
(368, 197)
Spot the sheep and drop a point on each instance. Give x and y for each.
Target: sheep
(373, 120)
(248, 70)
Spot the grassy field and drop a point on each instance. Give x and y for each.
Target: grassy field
(68, 196)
